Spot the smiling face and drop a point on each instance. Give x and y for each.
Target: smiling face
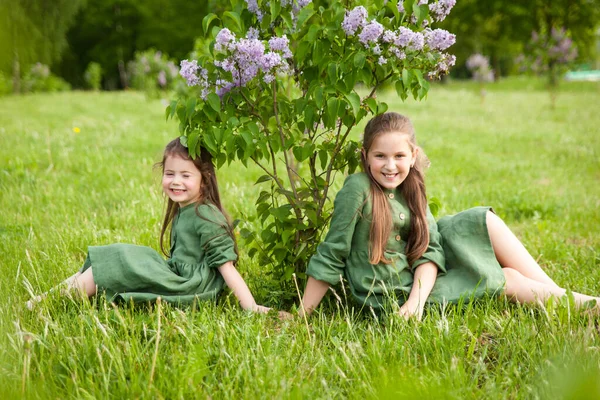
(390, 158)
(181, 180)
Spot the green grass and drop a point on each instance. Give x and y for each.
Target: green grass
(62, 191)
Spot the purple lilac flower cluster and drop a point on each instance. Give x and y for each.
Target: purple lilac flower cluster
(440, 10)
(557, 50)
(443, 66)
(245, 59)
(479, 65)
(386, 43)
(195, 75)
(561, 47)
(296, 5)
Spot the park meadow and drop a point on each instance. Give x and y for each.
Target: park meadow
(77, 169)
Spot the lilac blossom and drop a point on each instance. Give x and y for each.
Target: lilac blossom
(254, 9)
(303, 3)
(252, 33)
(397, 52)
(270, 61)
(188, 72)
(370, 32)
(268, 78)
(440, 10)
(389, 36)
(281, 44)
(400, 6)
(443, 66)
(224, 40)
(479, 66)
(162, 78)
(173, 70)
(382, 60)
(439, 39)
(354, 19)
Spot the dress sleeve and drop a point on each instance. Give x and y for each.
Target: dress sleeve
(434, 252)
(215, 237)
(329, 261)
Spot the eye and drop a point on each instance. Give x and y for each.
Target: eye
(186, 176)
(378, 155)
(168, 174)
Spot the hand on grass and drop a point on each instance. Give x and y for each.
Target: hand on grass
(283, 315)
(412, 309)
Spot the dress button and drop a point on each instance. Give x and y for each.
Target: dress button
(391, 195)
(402, 216)
(398, 238)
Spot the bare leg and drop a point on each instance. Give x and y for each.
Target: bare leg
(80, 282)
(511, 253)
(522, 289)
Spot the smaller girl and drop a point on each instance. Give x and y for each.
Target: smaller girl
(384, 240)
(202, 252)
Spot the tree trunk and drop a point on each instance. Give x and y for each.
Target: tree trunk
(16, 74)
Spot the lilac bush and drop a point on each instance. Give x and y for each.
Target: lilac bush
(479, 65)
(152, 72)
(275, 84)
(550, 54)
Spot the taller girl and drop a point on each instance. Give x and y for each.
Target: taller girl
(385, 241)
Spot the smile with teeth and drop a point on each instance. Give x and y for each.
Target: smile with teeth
(389, 176)
(177, 191)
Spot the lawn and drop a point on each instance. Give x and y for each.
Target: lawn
(76, 169)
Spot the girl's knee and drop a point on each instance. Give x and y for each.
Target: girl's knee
(492, 219)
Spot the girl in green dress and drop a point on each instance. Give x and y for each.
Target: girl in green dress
(384, 240)
(202, 252)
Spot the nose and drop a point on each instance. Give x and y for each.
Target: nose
(390, 164)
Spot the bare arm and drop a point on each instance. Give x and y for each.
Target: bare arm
(238, 286)
(313, 294)
(425, 276)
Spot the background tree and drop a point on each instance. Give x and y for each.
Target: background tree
(109, 32)
(33, 31)
(501, 29)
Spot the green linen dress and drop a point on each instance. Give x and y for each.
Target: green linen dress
(459, 245)
(200, 243)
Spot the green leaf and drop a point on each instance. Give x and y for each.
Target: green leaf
(400, 88)
(323, 157)
(359, 59)
(372, 103)
(253, 128)
(264, 178)
(354, 100)
(192, 143)
(275, 9)
(332, 110)
(407, 78)
(302, 51)
(419, 75)
(318, 96)
(312, 34)
(231, 19)
(297, 150)
(382, 107)
(190, 108)
(214, 101)
(332, 72)
(206, 22)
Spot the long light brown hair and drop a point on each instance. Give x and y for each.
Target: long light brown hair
(209, 190)
(413, 190)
